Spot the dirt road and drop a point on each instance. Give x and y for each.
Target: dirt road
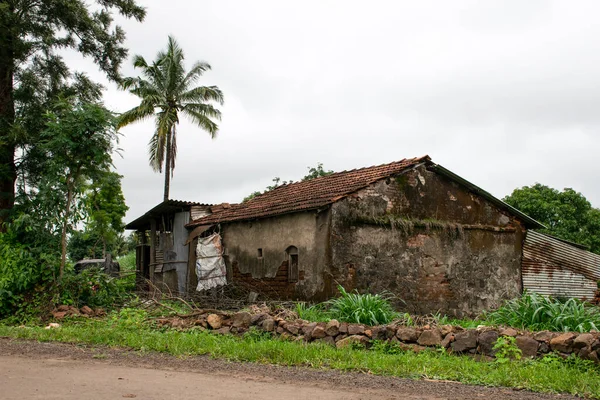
(30, 370)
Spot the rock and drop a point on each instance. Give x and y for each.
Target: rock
(449, 338)
(332, 328)
(99, 312)
(354, 329)
(594, 357)
(446, 329)
(52, 325)
(509, 332)
(258, 318)
(85, 310)
(293, 329)
(280, 330)
(390, 332)
(241, 320)
(63, 307)
(350, 340)
(344, 327)
(318, 332)
(527, 345)
(308, 328)
(222, 331)
(73, 311)
(584, 353)
(544, 348)
(327, 340)
(378, 332)
(464, 341)
(407, 334)
(430, 337)
(268, 325)
(544, 336)
(59, 314)
(596, 345)
(368, 333)
(214, 321)
(487, 340)
(563, 343)
(340, 337)
(583, 340)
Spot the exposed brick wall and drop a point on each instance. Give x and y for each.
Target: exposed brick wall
(276, 287)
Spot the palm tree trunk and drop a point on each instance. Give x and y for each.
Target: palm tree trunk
(168, 165)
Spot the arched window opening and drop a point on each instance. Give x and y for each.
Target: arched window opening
(292, 258)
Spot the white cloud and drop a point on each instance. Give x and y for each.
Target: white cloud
(504, 93)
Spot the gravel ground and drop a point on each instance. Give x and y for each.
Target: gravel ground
(96, 366)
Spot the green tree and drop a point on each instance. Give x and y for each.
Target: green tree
(76, 147)
(105, 209)
(567, 214)
(33, 37)
(167, 90)
(316, 172)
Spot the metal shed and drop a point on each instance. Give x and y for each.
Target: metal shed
(558, 268)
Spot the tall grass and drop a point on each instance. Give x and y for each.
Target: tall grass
(537, 312)
(369, 309)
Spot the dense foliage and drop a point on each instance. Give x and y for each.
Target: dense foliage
(536, 312)
(33, 72)
(567, 214)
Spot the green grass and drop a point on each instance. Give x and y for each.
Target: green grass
(536, 312)
(128, 329)
(369, 309)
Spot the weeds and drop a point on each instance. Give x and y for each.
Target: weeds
(371, 309)
(537, 312)
(506, 349)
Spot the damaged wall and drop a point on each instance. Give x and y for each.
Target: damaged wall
(257, 254)
(433, 244)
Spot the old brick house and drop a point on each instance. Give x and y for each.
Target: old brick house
(412, 228)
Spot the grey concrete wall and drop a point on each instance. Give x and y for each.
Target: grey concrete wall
(308, 231)
(432, 244)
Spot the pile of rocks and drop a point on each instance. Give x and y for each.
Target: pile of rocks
(453, 338)
(63, 311)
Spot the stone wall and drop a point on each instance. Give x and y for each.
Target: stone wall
(454, 339)
(434, 245)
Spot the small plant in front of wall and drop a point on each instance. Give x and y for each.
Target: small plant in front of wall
(507, 350)
(369, 309)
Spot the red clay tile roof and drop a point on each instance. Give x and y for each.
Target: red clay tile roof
(307, 195)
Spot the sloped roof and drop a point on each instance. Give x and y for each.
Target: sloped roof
(166, 207)
(307, 195)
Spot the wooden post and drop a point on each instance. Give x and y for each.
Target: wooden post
(152, 248)
(108, 264)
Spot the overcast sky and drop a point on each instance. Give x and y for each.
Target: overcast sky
(503, 93)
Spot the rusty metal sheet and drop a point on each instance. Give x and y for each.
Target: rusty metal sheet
(552, 267)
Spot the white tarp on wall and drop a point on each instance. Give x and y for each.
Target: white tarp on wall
(210, 266)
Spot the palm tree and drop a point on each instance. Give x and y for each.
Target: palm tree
(166, 90)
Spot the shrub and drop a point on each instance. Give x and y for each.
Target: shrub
(22, 270)
(506, 349)
(316, 312)
(537, 312)
(93, 288)
(371, 309)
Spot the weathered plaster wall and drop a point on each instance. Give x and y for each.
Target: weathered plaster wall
(307, 231)
(431, 243)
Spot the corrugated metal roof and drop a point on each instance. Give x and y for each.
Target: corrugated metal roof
(553, 267)
(168, 206)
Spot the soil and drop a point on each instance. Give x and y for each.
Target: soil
(32, 370)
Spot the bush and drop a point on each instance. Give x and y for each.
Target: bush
(22, 270)
(93, 288)
(537, 312)
(371, 309)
